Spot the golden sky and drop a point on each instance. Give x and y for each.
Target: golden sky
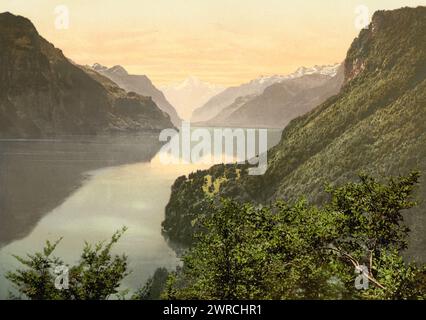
(221, 41)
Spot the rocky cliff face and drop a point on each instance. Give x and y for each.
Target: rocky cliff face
(375, 50)
(43, 94)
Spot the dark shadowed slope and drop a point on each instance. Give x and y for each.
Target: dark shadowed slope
(140, 84)
(43, 94)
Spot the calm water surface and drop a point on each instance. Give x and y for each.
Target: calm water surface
(84, 191)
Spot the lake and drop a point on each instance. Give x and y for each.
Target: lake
(84, 189)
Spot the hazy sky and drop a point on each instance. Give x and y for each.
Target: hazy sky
(221, 41)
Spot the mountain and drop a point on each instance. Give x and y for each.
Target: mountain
(279, 103)
(224, 118)
(216, 104)
(140, 84)
(190, 94)
(42, 93)
(375, 124)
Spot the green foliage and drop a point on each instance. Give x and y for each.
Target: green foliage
(281, 251)
(399, 279)
(97, 276)
(229, 256)
(371, 213)
(376, 124)
(301, 251)
(154, 287)
(37, 280)
(188, 203)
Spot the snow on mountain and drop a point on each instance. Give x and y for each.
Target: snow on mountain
(255, 87)
(190, 94)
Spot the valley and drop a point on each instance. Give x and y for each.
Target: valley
(220, 191)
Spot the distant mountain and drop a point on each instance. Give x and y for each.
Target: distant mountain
(279, 103)
(140, 84)
(375, 124)
(223, 119)
(190, 94)
(43, 94)
(255, 87)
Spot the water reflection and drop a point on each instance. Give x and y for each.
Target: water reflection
(86, 190)
(36, 176)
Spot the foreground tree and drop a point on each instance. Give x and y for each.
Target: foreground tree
(281, 251)
(97, 276)
(372, 233)
(302, 251)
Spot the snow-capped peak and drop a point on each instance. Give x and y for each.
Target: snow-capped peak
(190, 94)
(190, 83)
(99, 67)
(329, 70)
(119, 70)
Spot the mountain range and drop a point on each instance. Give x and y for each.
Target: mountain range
(42, 93)
(279, 103)
(216, 104)
(375, 124)
(190, 94)
(140, 84)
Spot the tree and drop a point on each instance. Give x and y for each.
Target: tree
(281, 251)
(153, 287)
(301, 251)
(235, 255)
(371, 232)
(97, 276)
